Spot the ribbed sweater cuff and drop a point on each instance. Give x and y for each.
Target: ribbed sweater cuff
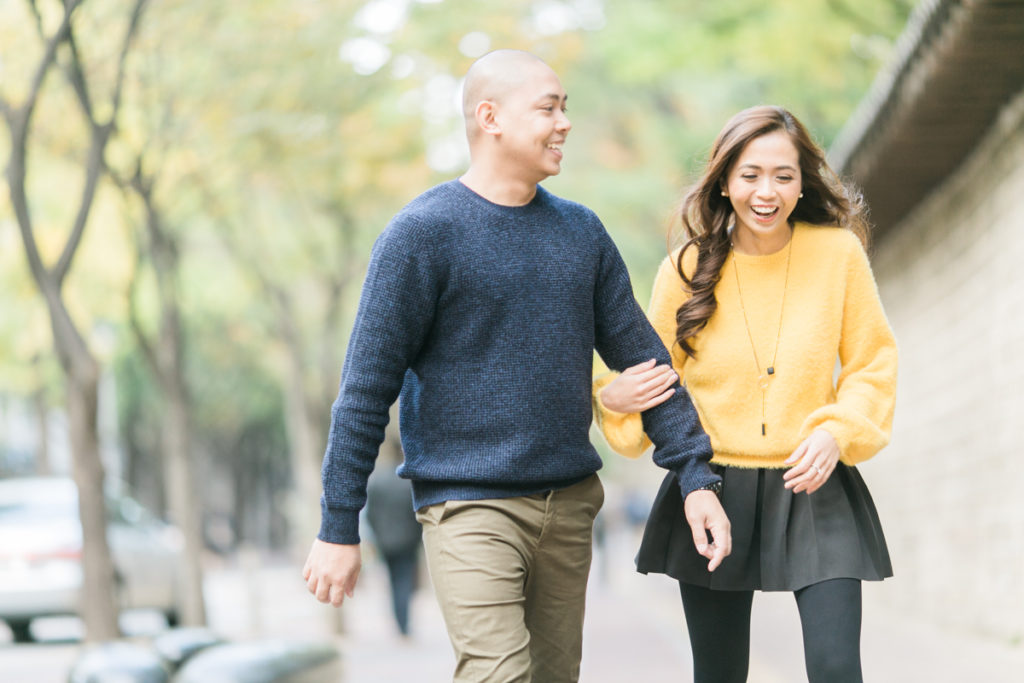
(695, 475)
(601, 383)
(338, 525)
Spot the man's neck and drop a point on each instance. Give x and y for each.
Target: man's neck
(498, 188)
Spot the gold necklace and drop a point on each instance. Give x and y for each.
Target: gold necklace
(763, 378)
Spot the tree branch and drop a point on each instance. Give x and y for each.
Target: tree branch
(142, 187)
(50, 54)
(76, 77)
(94, 167)
(95, 163)
(38, 17)
(19, 120)
(133, 27)
(133, 315)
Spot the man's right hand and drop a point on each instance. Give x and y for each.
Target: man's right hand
(704, 513)
(331, 571)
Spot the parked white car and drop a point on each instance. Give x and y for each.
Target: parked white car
(41, 553)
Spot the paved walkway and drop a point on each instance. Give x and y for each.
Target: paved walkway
(634, 632)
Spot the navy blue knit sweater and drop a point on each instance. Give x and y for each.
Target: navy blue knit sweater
(485, 318)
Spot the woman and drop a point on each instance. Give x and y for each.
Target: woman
(771, 287)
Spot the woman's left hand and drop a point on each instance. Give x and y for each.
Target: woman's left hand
(815, 459)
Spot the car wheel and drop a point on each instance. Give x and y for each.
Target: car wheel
(20, 630)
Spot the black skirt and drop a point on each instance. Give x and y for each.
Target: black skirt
(781, 541)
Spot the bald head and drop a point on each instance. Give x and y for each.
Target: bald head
(495, 76)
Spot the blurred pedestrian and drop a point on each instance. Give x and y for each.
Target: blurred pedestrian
(770, 288)
(484, 301)
(396, 533)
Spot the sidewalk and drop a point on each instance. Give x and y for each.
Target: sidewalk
(634, 631)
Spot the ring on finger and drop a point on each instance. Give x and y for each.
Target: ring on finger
(816, 470)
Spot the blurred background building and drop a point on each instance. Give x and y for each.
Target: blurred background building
(938, 147)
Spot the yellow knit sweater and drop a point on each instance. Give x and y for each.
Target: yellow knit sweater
(832, 311)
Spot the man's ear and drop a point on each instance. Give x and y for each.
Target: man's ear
(486, 117)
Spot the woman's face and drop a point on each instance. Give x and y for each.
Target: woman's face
(764, 185)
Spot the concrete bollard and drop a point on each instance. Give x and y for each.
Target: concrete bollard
(264, 661)
(119, 663)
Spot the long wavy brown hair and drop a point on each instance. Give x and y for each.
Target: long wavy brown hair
(707, 215)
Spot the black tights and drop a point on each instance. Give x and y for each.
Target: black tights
(719, 626)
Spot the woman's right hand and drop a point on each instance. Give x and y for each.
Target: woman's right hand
(639, 388)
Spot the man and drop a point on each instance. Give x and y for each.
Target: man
(484, 301)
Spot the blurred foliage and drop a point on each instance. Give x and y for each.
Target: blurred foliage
(281, 135)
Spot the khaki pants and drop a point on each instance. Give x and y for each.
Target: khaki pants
(510, 575)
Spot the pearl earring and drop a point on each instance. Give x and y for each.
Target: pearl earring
(801, 195)
(724, 193)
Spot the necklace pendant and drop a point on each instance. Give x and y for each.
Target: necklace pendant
(763, 432)
(762, 382)
(771, 370)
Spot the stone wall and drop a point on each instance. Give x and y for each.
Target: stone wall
(950, 487)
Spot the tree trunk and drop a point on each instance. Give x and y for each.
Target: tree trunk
(99, 603)
(184, 503)
(303, 442)
(81, 378)
(176, 434)
(182, 492)
(42, 455)
(81, 371)
(305, 439)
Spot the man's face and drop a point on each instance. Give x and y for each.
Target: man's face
(534, 125)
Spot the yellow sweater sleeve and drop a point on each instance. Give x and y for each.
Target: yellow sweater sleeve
(624, 432)
(860, 419)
